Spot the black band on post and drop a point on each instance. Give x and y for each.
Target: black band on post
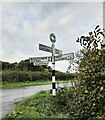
(53, 72)
(53, 86)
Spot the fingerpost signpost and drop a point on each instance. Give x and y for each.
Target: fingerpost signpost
(38, 61)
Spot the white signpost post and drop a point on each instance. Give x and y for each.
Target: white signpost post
(38, 61)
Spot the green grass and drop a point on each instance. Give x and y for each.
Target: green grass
(40, 105)
(23, 84)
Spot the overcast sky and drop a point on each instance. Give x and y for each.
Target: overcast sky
(26, 24)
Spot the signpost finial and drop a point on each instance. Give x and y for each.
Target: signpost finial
(52, 38)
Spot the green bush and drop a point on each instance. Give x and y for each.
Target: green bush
(87, 99)
(64, 76)
(22, 76)
(63, 98)
(90, 104)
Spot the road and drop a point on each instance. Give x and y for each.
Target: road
(9, 97)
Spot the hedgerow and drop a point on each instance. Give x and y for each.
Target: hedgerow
(22, 76)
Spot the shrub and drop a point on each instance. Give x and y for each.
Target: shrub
(22, 76)
(87, 99)
(91, 76)
(63, 98)
(64, 76)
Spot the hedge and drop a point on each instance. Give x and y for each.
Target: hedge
(22, 76)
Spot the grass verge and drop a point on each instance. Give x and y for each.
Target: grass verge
(23, 84)
(40, 105)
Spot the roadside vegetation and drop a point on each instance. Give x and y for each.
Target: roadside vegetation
(26, 74)
(83, 101)
(13, 79)
(34, 83)
(40, 105)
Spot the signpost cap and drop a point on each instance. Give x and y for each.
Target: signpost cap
(52, 38)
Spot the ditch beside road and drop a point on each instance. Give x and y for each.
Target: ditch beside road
(9, 97)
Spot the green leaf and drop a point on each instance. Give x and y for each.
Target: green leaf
(86, 91)
(90, 33)
(101, 89)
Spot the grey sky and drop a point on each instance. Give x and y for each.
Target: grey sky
(26, 24)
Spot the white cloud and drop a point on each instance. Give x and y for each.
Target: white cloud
(27, 24)
(64, 20)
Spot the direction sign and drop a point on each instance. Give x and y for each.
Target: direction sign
(40, 63)
(68, 56)
(49, 49)
(40, 59)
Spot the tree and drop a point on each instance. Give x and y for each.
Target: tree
(8, 66)
(91, 77)
(24, 65)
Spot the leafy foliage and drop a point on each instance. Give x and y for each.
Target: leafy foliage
(91, 103)
(86, 101)
(24, 65)
(24, 76)
(25, 71)
(92, 41)
(39, 105)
